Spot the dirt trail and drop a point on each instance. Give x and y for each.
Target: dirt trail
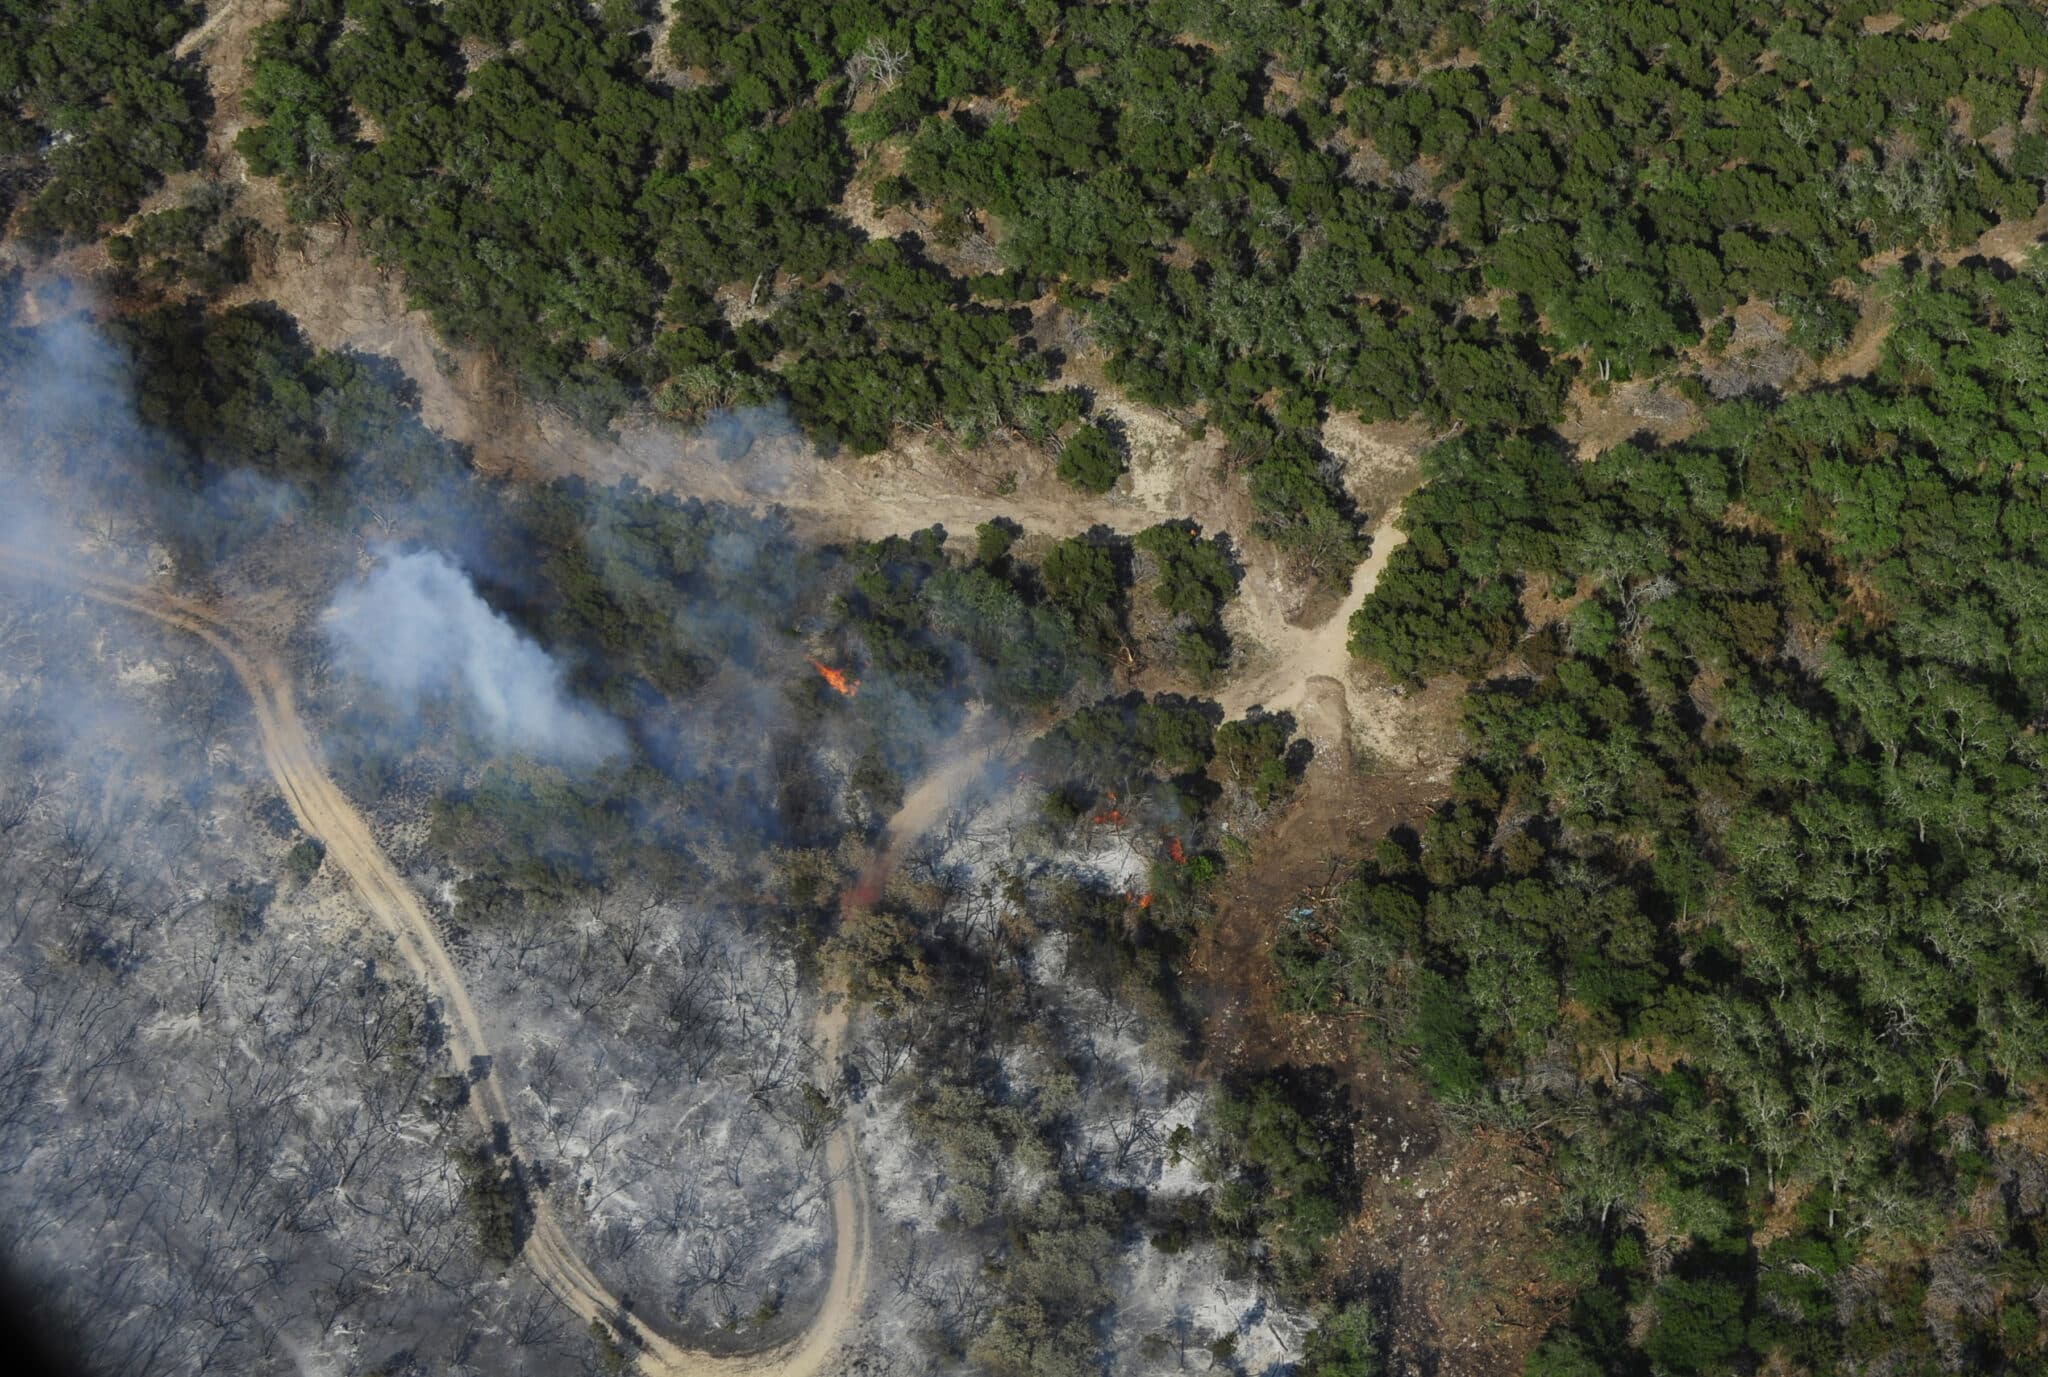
(344, 301)
(222, 15)
(810, 1355)
(1305, 654)
(293, 760)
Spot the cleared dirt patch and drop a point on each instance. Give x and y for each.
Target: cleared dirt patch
(1451, 1221)
(1448, 1239)
(1865, 349)
(1295, 862)
(1596, 423)
(1358, 786)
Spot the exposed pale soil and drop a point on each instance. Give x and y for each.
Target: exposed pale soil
(1467, 1206)
(2009, 242)
(1594, 424)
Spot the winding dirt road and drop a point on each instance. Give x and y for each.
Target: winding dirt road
(322, 810)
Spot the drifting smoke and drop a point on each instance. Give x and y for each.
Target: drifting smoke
(417, 629)
(66, 388)
(766, 436)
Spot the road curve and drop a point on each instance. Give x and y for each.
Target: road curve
(324, 812)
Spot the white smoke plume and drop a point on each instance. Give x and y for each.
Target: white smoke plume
(417, 629)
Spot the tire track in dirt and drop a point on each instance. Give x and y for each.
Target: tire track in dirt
(324, 812)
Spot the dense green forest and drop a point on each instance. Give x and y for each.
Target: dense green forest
(1737, 898)
(94, 110)
(1262, 212)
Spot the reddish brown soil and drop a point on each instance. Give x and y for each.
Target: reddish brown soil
(1301, 855)
(1450, 1226)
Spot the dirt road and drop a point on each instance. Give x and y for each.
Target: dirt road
(322, 810)
(1304, 654)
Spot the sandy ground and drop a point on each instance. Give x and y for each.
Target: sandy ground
(221, 15)
(343, 300)
(1305, 655)
(2009, 242)
(1594, 424)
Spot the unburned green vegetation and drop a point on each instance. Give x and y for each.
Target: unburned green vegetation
(1262, 214)
(1733, 899)
(95, 111)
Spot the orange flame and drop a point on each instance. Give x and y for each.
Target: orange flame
(1145, 902)
(839, 679)
(1174, 850)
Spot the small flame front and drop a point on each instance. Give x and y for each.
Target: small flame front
(839, 679)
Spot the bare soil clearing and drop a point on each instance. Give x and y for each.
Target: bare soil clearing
(226, 14)
(225, 42)
(1449, 1233)
(343, 300)
(1595, 423)
(1359, 785)
(1865, 349)
(1451, 1219)
(1303, 655)
(2009, 242)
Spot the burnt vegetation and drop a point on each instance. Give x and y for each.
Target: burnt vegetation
(1729, 918)
(655, 919)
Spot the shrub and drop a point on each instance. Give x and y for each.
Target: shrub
(1090, 460)
(1345, 1344)
(302, 862)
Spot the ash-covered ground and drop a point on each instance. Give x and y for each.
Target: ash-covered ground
(229, 1128)
(1100, 1106)
(227, 1140)
(232, 1137)
(660, 1057)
